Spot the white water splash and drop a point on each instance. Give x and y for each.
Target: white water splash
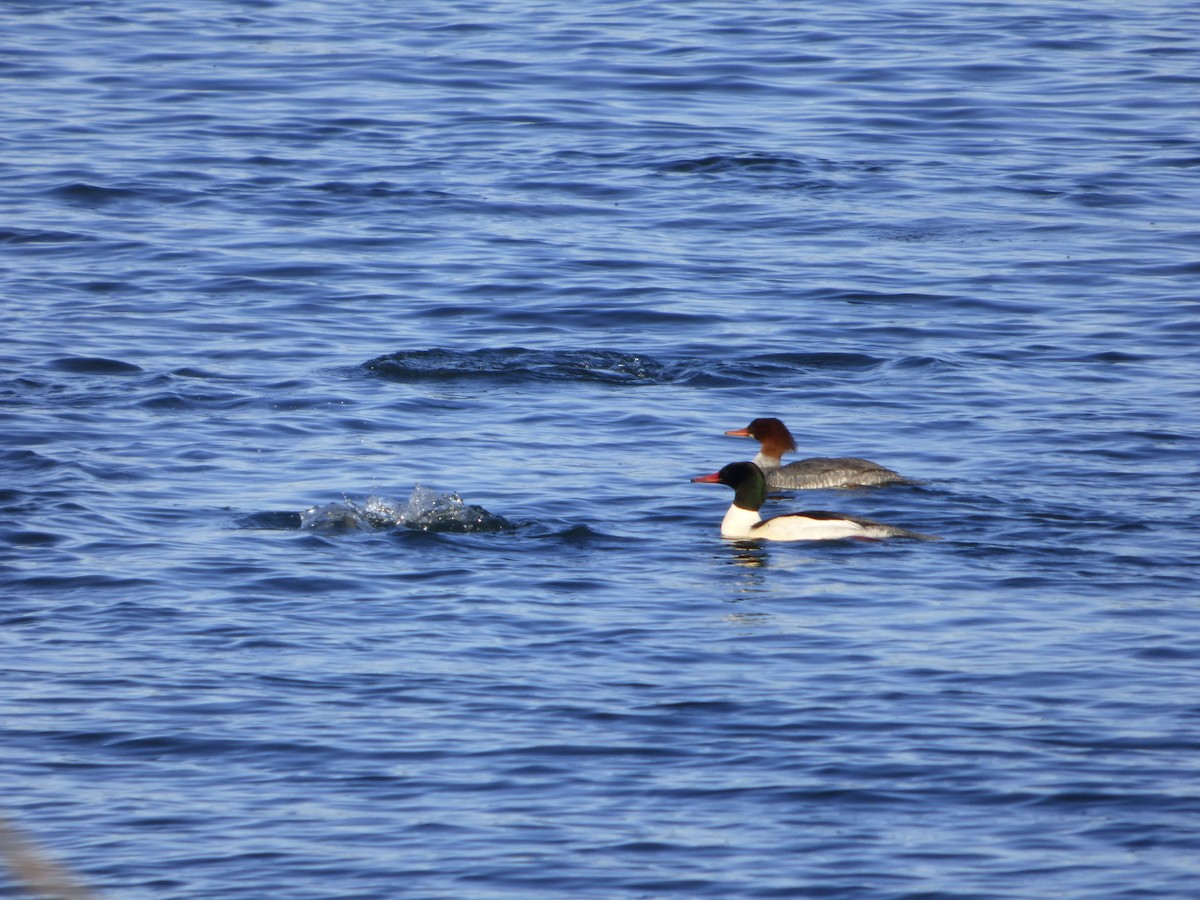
(425, 510)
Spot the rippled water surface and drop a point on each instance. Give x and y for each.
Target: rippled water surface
(356, 361)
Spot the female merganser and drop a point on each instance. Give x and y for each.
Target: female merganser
(817, 472)
(750, 490)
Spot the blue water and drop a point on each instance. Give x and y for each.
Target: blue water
(356, 358)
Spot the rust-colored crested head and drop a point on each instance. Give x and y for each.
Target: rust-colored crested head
(771, 433)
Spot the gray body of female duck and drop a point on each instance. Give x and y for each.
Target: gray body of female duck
(815, 472)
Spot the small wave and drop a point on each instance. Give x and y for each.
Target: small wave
(27, 460)
(583, 535)
(94, 365)
(87, 194)
(281, 520)
(516, 364)
(38, 236)
(380, 189)
(818, 360)
(724, 162)
(780, 369)
(770, 169)
(425, 510)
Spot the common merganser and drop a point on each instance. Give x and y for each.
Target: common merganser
(743, 521)
(816, 472)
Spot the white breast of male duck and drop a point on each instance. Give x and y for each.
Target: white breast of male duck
(805, 526)
(743, 522)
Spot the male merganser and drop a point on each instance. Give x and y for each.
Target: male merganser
(817, 472)
(750, 491)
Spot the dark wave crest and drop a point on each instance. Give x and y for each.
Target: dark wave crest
(515, 365)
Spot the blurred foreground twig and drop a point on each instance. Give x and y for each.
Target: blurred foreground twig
(33, 871)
